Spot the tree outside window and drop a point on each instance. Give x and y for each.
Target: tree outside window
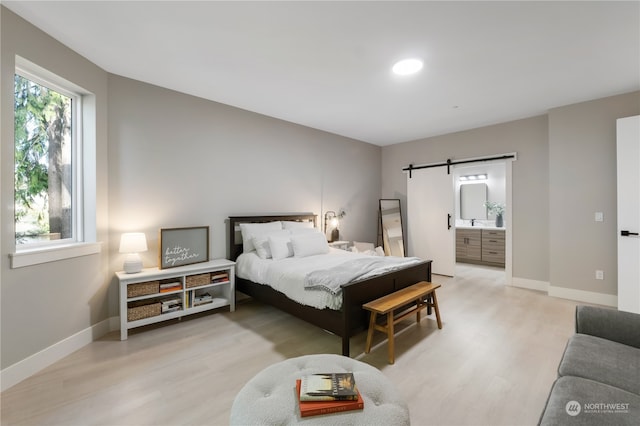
(43, 162)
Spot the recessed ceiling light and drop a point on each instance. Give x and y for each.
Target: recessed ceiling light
(407, 66)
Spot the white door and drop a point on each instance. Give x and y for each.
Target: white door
(628, 148)
(431, 219)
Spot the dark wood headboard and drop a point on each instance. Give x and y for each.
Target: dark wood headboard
(235, 237)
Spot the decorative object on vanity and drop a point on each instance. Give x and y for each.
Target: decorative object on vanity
(332, 224)
(132, 243)
(391, 227)
(496, 209)
(183, 246)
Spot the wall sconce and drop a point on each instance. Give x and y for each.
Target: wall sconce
(482, 176)
(332, 220)
(133, 243)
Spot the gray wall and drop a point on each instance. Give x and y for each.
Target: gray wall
(176, 160)
(582, 181)
(528, 138)
(565, 172)
(44, 304)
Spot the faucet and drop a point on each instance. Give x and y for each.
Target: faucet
(473, 222)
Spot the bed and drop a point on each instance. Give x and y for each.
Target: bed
(345, 322)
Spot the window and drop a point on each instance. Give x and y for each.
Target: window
(54, 167)
(46, 190)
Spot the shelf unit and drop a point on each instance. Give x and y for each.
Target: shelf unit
(187, 290)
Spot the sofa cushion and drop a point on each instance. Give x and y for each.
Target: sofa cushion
(578, 401)
(610, 324)
(602, 360)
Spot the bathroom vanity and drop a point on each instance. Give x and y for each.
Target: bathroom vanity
(480, 245)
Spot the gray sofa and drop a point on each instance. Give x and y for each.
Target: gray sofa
(599, 375)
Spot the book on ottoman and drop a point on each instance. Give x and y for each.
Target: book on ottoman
(316, 408)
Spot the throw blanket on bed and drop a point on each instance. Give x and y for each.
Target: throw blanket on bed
(332, 279)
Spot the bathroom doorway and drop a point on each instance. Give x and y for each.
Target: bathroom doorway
(422, 227)
(482, 204)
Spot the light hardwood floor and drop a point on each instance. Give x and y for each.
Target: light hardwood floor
(493, 362)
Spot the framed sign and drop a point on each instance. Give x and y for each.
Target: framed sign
(183, 246)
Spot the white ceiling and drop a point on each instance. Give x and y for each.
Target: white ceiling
(327, 65)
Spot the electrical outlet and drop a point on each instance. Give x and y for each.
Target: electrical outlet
(599, 275)
(599, 217)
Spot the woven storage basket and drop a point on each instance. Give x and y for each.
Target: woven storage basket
(197, 280)
(144, 311)
(142, 289)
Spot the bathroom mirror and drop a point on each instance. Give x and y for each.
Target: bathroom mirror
(472, 199)
(391, 225)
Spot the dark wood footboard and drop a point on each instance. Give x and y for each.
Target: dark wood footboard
(357, 293)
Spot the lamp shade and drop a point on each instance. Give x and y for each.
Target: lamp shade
(133, 242)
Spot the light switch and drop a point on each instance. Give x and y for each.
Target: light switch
(599, 216)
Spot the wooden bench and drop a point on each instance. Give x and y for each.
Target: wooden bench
(416, 294)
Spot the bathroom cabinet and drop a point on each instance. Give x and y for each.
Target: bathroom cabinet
(468, 245)
(483, 246)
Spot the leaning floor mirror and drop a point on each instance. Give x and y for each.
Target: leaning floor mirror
(391, 226)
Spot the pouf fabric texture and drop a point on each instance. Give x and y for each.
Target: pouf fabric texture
(269, 398)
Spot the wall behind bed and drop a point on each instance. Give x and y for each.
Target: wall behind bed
(178, 160)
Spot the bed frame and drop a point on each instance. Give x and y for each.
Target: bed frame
(351, 318)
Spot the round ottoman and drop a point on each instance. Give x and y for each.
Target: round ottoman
(269, 398)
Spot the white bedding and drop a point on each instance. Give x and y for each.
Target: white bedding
(288, 275)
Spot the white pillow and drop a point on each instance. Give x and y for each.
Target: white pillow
(289, 224)
(280, 246)
(250, 230)
(261, 242)
(303, 230)
(308, 244)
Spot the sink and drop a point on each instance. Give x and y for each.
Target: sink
(480, 226)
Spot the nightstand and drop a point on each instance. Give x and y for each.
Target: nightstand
(342, 245)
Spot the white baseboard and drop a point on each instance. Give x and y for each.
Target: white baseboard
(584, 296)
(29, 366)
(567, 293)
(530, 284)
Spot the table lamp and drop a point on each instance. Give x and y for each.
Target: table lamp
(133, 243)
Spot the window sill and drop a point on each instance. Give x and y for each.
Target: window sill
(52, 254)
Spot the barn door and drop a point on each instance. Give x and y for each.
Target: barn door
(431, 218)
